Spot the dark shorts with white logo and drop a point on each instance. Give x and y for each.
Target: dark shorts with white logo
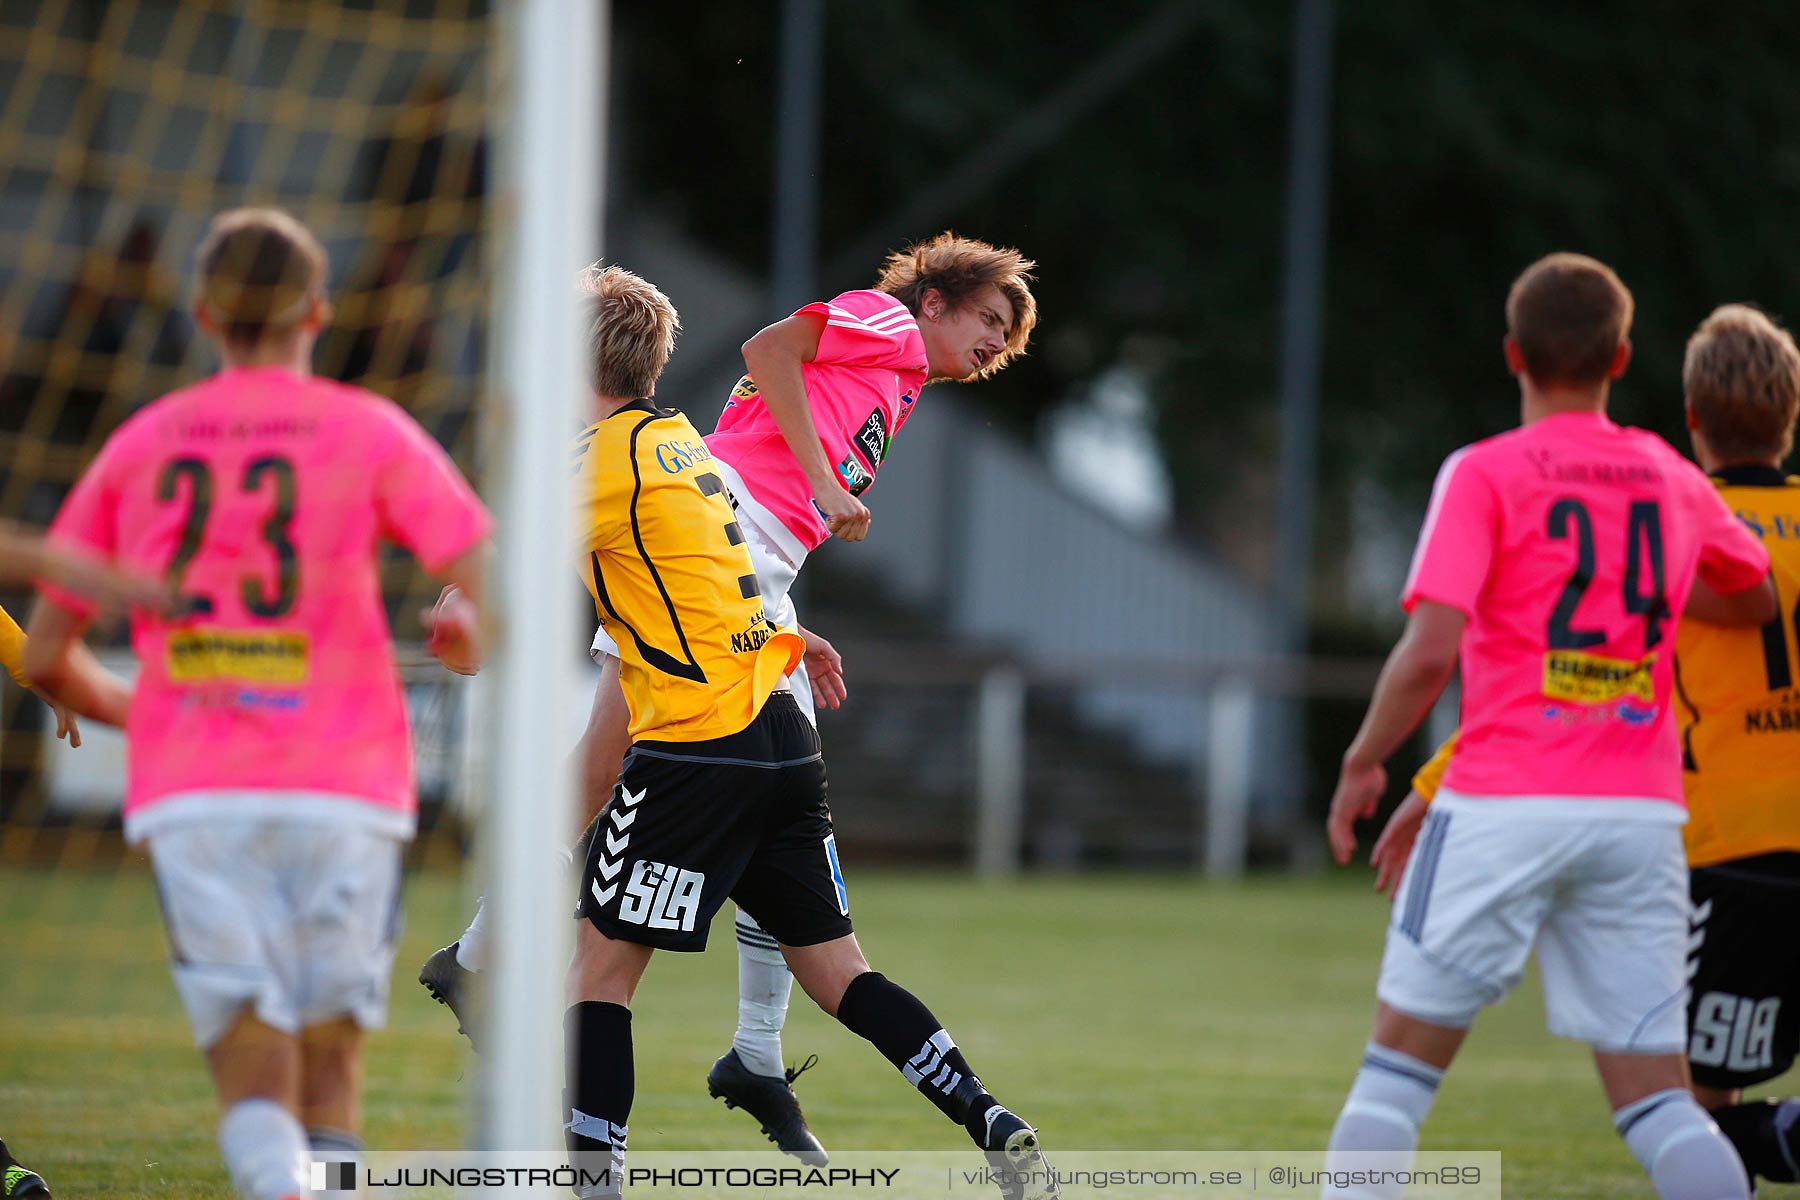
(691, 823)
(1744, 970)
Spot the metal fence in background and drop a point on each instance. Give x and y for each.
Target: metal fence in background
(937, 758)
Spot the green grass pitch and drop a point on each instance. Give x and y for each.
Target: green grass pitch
(1116, 1012)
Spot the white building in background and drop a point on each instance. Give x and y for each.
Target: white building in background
(1103, 449)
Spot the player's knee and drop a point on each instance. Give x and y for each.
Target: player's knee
(338, 1036)
(606, 970)
(254, 1061)
(1711, 1098)
(1681, 1149)
(825, 971)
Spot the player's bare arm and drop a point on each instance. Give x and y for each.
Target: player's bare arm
(455, 626)
(1395, 844)
(604, 742)
(1416, 672)
(66, 671)
(773, 357)
(12, 657)
(1755, 605)
(25, 556)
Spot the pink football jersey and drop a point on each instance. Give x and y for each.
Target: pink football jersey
(264, 495)
(861, 387)
(1572, 544)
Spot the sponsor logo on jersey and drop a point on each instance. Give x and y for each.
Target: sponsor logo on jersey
(856, 478)
(1581, 678)
(676, 457)
(1779, 719)
(873, 438)
(752, 639)
(1780, 527)
(206, 655)
(1583, 715)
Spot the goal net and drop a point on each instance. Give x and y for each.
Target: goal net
(124, 126)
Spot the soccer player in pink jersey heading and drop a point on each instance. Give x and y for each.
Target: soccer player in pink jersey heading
(802, 437)
(1552, 562)
(269, 759)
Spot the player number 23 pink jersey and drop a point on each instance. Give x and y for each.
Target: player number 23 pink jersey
(263, 496)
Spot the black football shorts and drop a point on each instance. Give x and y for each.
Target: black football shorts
(1744, 967)
(690, 823)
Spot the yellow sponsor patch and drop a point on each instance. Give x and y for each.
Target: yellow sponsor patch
(203, 655)
(1593, 679)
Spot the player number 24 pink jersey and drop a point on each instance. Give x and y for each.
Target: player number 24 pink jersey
(1571, 544)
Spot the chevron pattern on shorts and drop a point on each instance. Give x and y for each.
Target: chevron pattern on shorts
(615, 838)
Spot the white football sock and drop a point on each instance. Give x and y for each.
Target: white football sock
(471, 947)
(764, 983)
(1387, 1103)
(1680, 1148)
(265, 1151)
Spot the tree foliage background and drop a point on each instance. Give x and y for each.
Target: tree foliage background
(1466, 141)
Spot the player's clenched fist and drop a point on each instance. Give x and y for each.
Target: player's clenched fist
(845, 515)
(453, 631)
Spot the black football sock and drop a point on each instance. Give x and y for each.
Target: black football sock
(906, 1033)
(600, 1083)
(1765, 1136)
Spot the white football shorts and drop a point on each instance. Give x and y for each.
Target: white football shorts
(775, 575)
(295, 918)
(1598, 887)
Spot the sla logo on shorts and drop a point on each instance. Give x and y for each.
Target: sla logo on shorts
(1735, 1032)
(659, 896)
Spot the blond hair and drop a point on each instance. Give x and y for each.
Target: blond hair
(631, 331)
(257, 273)
(960, 269)
(1742, 379)
(1569, 315)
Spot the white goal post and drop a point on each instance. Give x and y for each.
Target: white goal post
(553, 83)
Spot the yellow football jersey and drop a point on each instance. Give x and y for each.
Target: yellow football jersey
(671, 580)
(1428, 778)
(12, 649)
(1736, 695)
